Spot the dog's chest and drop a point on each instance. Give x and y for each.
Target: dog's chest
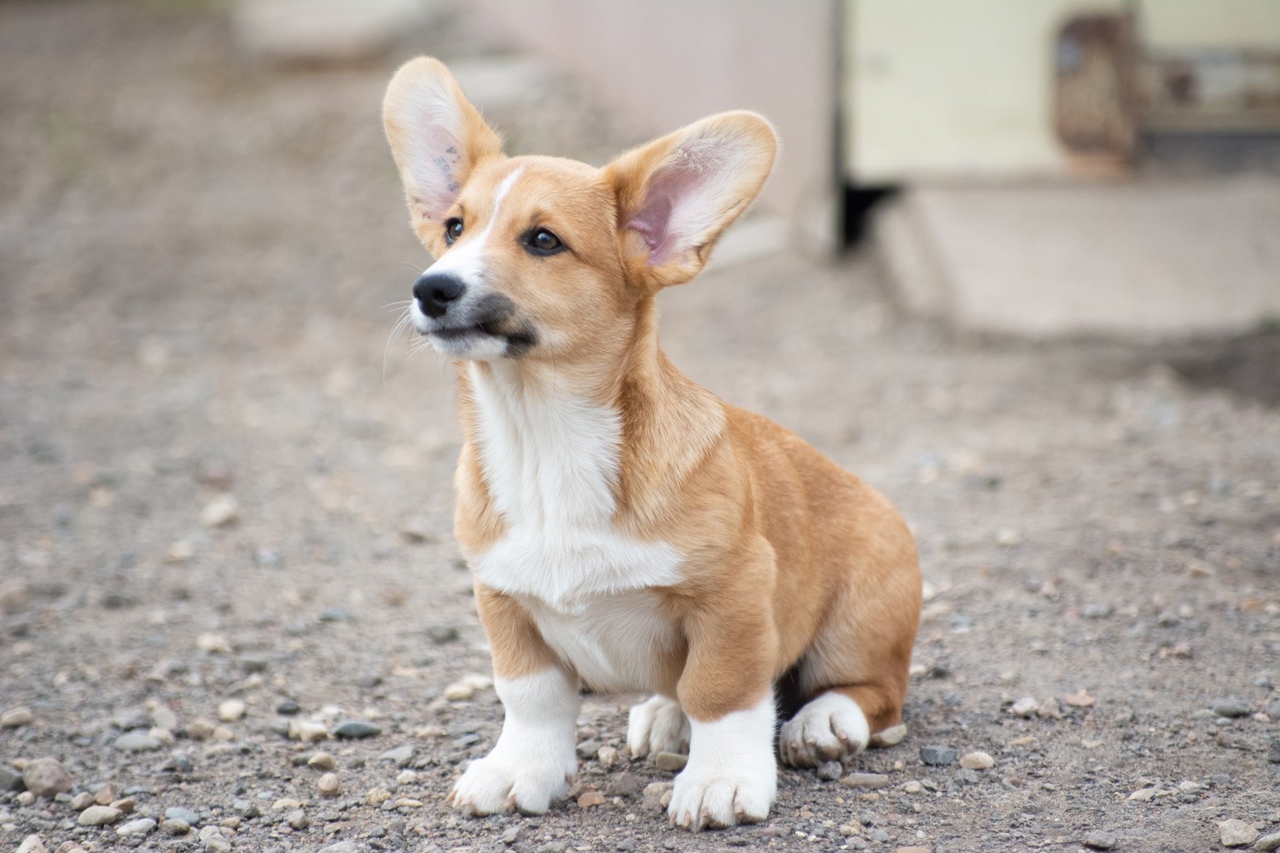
(550, 463)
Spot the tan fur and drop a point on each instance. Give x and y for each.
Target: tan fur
(786, 558)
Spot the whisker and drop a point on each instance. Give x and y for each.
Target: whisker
(405, 319)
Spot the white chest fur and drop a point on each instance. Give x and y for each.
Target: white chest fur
(551, 463)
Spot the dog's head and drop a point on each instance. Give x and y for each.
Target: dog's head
(539, 257)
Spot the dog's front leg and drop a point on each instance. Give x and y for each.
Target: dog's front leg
(534, 758)
(726, 689)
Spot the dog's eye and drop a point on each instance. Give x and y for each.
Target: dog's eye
(540, 241)
(452, 230)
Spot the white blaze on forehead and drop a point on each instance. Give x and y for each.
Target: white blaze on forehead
(467, 261)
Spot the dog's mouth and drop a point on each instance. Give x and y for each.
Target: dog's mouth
(494, 324)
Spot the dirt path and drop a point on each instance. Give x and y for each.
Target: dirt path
(194, 264)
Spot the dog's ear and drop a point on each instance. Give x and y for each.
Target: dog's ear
(437, 137)
(677, 194)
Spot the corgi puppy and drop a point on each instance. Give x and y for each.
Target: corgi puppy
(627, 530)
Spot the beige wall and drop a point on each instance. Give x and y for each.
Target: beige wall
(664, 63)
(1230, 24)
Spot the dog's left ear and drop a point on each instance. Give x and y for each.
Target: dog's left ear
(677, 194)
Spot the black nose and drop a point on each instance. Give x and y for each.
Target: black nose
(434, 292)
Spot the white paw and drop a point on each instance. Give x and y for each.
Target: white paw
(497, 784)
(830, 728)
(731, 776)
(657, 725)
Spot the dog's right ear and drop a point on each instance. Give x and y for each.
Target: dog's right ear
(437, 137)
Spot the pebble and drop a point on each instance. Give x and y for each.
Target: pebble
(81, 801)
(231, 710)
(1024, 707)
(10, 779)
(1101, 839)
(221, 511)
(441, 634)
(216, 842)
(32, 844)
(670, 761)
(45, 777)
(587, 749)
(1236, 833)
(977, 761)
(341, 847)
(912, 787)
(328, 785)
(400, 756)
(511, 835)
(865, 780)
(1267, 843)
(179, 813)
(377, 797)
(99, 816)
(608, 756)
(322, 761)
(288, 708)
(214, 644)
(137, 742)
(298, 819)
(356, 729)
(15, 717)
(124, 804)
(141, 826)
(174, 826)
(1230, 707)
(891, 736)
(406, 777)
(246, 809)
(106, 795)
(308, 731)
(590, 799)
(938, 756)
(458, 692)
(830, 771)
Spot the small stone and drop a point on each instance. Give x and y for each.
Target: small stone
(1049, 709)
(400, 756)
(912, 787)
(938, 756)
(137, 742)
(1080, 699)
(341, 847)
(179, 813)
(1267, 843)
(830, 771)
(670, 761)
(891, 736)
(977, 761)
(10, 779)
(175, 827)
(1097, 611)
(1230, 707)
(1024, 707)
(1101, 839)
(214, 644)
(458, 692)
(406, 777)
(865, 780)
(1236, 833)
(125, 805)
(608, 756)
(308, 731)
(511, 835)
(221, 511)
(69, 847)
(216, 843)
(45, 777)
(99, 816)
(328, 785)
(81, 801)
(32, 844)
(322, 761)
(286, 803)
(15, 717)
(106, 795)
(587, 749)
(624, 784)
(590, 799)
(356, 729)
(377, 797)
(298, 819)
(141, 826)
(441, 634)
(1143, 795)
(162, 716)
(231, 710)
(288, 708)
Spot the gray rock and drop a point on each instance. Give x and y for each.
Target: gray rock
(670, 761)
(1267, 843)
(246, 809)
(136, 742)
(141, 826)
(81, 801)
(588, 749)
(356, 729)
(1236, 833)
(10, 779)
(865, 780)
(173, 826)
(511, 835)
(441, 634)
(1101, 839)
(830, 771)
(401, 755)
(99, 816)
(298, 819)
(342, 847)
(1273, 751)
(1231, 706)
(624, 784)
(179, 813)
(46, 777)
(32, 844)
(288, 708)
(938, 756)
(1097, 611)
(551, 847)
(132, 718)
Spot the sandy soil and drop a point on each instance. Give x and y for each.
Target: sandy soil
(196, 259)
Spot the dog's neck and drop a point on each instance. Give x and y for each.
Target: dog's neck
(571, 444)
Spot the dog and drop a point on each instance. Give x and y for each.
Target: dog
(626, 529)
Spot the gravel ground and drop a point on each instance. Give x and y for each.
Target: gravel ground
(230, 607)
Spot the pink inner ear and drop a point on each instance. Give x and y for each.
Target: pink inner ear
(672, 187)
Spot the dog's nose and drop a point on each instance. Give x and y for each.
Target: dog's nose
(434, 292)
